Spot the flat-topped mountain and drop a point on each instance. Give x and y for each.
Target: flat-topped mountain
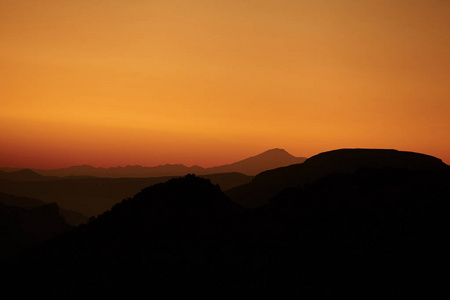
(251, 166)
(269, 183)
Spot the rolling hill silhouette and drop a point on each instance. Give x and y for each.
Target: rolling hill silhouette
(267, 160)
(371, 232)
(269, 183)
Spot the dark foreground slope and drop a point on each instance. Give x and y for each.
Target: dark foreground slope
(344, 161)
(371, 233)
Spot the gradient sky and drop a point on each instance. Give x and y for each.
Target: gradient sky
(115, 82)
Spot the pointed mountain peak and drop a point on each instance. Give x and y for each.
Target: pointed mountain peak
(270, 159)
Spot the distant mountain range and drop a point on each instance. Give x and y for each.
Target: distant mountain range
(270, 159)
(90, 191)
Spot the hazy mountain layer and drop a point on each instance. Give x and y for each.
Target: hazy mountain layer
(251, 166)
(92, 196)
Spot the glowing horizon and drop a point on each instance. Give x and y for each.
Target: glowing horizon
(114, 83)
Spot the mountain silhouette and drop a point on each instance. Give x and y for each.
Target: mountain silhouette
(372, 232)
(92, 196)
(71, 217)
(267, 160)
(269, 183)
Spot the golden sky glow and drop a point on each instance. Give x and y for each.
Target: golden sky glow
(109, 82)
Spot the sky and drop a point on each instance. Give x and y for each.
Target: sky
(115, 82)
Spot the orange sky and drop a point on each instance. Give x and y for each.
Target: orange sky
(111, 82)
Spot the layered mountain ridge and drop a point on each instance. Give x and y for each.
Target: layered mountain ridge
(368, 223)
(250, 166)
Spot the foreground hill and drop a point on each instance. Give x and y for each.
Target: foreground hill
(268, 184)
(251, 166)
(92, 196)
(370, 233)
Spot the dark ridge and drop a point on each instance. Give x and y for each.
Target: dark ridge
(269, 183)
(192, 203)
